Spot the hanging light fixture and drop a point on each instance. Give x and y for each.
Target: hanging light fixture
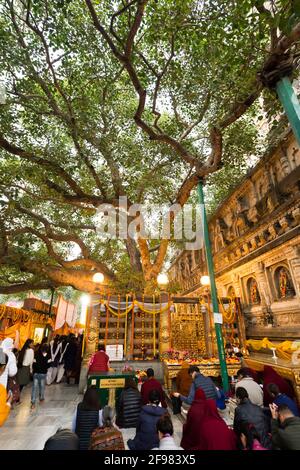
(205, 281)
(85, 299)
(162, 279)
(98, 278)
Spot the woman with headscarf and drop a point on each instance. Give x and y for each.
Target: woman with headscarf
(11, 368)
(204, 428)
(5, 399)
(270, 376)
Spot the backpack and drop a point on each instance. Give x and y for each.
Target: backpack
(106, 438)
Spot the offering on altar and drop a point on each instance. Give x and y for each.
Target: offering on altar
(141, 375)
(127, 368)
(174, 357)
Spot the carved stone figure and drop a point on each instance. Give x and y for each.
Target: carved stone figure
(241, 223)
(253, 215)
(284, 224)
(296, 217)
(272, 234)
(246, 248)
(220, 231)
(284, 162)
(295, 157)
(253, 244)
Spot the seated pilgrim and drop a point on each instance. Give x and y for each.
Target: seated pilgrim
(99, 361)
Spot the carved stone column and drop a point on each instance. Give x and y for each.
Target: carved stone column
(263, 285)
(236, 285)
(193, 255)
(91, 342)
(164, 333)
(264, 290)
(294, 261)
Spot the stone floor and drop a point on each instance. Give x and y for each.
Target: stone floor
(28, 430)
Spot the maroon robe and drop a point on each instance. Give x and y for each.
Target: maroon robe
(99, 362)
(152, 384)
(204, 428)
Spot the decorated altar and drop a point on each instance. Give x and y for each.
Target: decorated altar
(209, 366)
(141, 328)
(288, 369)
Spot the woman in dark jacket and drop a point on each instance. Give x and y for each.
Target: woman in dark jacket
(70, 356)
(87, 417)
(146, 435)
(248, 413)
(40, 367)
(129, 405)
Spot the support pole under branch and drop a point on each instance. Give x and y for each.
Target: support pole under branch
(214, 296)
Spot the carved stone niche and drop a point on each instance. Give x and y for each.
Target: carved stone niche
(260, 240)
(285, 223)
(253, 244)
(285, 165)
(271, 233)
(241, 223)
(220, 240)
(238, 253)
(246, 248)
(294, 156)
(296, 217)
(253, 215)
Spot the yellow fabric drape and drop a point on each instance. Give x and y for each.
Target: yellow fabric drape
(121, 315)
(141, 307)
(284, 350)
(10, 332)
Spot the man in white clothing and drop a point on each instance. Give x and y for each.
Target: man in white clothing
(11, 368)
(254, 390)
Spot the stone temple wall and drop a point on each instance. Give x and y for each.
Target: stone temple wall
(255, 236)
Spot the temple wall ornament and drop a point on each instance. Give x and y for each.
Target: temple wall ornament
(259, 222)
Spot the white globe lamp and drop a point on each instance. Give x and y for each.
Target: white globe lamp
(162, 279)
(205, 281)
(85, 300)
(98, 278)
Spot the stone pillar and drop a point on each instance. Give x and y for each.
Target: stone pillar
(164, 334)
(236, 285)
(294, 262)
(263, 285)
(91, 342)
(193, 255)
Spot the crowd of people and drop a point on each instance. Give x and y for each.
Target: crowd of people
(44, 363)
(265, 417)
(266, 414)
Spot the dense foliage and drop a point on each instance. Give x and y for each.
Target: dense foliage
(125, 98)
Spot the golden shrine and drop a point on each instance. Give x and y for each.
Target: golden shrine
(21, 324)
(165, 329)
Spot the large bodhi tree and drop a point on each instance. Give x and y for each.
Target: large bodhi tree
(107, 99)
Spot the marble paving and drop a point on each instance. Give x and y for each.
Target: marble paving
(29, 430)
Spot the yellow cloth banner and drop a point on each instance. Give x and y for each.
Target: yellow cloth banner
(284, 350)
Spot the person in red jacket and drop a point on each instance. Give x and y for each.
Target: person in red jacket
(152, 384)
(99, 361)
